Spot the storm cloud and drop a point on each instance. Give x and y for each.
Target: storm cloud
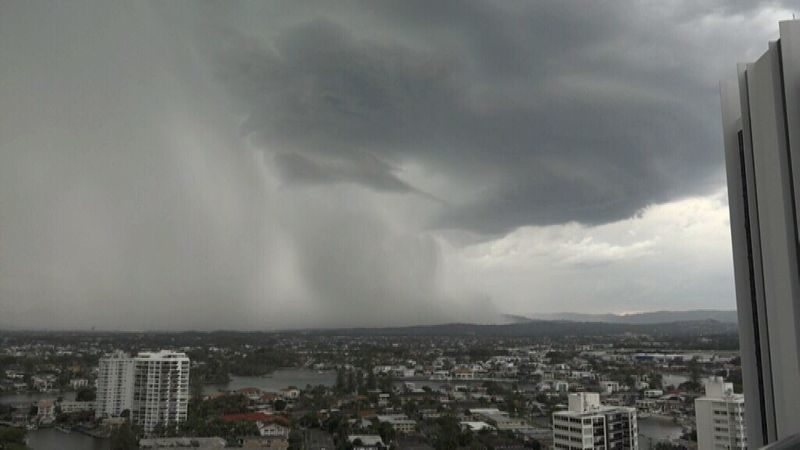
(299, 164)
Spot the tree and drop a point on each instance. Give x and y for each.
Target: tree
(340, 380)
(279, 405)
(386, 431)
(694, 370)
(85, 395)
(12, 438)
(124, 438)
(295, 440)
(668, 446)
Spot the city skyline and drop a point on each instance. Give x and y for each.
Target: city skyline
(278, 166)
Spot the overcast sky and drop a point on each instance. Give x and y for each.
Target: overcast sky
(263, 165)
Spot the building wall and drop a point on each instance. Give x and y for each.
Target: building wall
(720, 424)
(154, 387)
(161, 390)
(761, 124)
(114, 385)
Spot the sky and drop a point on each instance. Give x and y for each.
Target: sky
(290, 164)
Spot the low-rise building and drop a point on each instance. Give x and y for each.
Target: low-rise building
(399, 422)
(587, 424)
(366, 441)
(71, 406)
(720, 417)
(46, 411)
(79, 383)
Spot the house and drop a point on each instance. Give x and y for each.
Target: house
(653, 393)
(463, 373)
(46, 411)
(609, 386)
(79, 383)
(252, 393)
(43, 383)
(268, 443)
(69, 407)
(272, 430)
(399, 422)
(366, 441)
(290, 393)
(475, 426)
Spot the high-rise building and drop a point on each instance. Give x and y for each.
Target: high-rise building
(587, 424)
(160, 389)
(761, 125)
(114, 385)
(720, 417)
(153, 387)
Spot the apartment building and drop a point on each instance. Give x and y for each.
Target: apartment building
(587, 424)
(720, 417)
(160, 389)
(152, 386)
(114, 385)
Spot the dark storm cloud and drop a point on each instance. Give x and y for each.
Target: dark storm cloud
(294, 163)
(537, 104)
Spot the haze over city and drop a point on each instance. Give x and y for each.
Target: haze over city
(274, 165)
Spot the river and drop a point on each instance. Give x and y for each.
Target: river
(277, 380)
(52, 439)
(32, 397)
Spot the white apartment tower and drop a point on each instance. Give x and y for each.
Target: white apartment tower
(114, 385)
(720, 417)
(587, 424)
(154, 387)
(160, 389)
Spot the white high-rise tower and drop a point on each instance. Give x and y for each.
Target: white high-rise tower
(114, 385)
(720, 417)
(154, 387)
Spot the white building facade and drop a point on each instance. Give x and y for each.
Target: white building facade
(587, 424)
(760, 117)
(720, 417)
(161, 389)
(114, 385)
(153, 387)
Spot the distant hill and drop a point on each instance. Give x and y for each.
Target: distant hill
(534, 328)
(639, 318)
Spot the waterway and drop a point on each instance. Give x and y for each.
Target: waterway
(32, 397)
(277, 380)
(653, 430)
(52, 439)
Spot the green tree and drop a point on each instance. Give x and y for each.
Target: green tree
(694, 370)
(85, 395)
(295, 440)
(12, 438)
(124, 438)
(340, 380)
(386, 431)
